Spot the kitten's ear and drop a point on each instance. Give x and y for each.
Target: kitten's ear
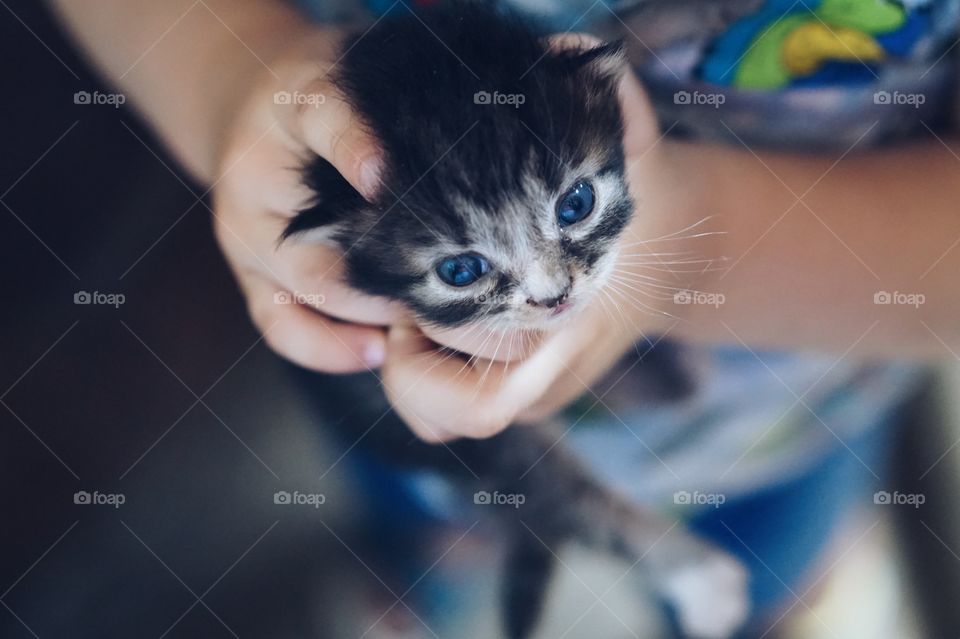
(607, 60)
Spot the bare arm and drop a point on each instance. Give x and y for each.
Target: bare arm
(207, 76)
(811, 240)
(185, 65)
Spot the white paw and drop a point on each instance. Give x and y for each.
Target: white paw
(710, 597)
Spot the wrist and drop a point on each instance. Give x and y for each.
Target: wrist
(282, 94)
(673, 252)
(195, 81)
(241, 80)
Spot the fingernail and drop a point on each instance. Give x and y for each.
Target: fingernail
(369, 177)
(374, 354)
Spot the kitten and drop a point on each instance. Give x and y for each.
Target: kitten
(504, 175)
(502, 200)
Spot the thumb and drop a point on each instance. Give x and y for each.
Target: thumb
(325, 123)
(407, 382)
(438, 393)
(641, 130)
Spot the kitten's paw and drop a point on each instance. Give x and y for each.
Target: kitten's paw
(710, 597)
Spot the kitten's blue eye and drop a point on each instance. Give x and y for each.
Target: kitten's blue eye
(576, 204)
(462, 270)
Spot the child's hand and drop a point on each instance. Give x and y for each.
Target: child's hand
(293, 291)
(441, 396)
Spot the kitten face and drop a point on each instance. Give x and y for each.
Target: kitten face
(503, 191)
(540, 255)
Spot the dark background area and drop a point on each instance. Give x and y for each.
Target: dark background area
(172, 400)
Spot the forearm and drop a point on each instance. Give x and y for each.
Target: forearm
(810, 240)
(184, 65)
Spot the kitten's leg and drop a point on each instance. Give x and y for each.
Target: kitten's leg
(705, 586)
(528, 568)
(563, 503)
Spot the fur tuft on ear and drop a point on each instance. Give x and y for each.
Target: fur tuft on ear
(606, 60)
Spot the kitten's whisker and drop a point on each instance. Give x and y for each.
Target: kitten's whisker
(434, 365)
(655, 291)
(654, 296)
(684, 230)
(664, 262)
(693, 236)
(670, 270)
(601, 300)
(617, 309)
(639, 276)
(486, 371)
(661, 254)
(474, 358)
(454, 352)
(647, 310)
(448, 350)
(707, 269)
(634, 303)
(625, 281)
(515, 336)
(506, 369)
(653, 284)
(638, 305)
(445, 351)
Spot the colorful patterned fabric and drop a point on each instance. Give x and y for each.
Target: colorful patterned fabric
(810, 74)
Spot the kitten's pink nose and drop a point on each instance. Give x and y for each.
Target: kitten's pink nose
(550, 302)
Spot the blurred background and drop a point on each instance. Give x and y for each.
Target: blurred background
(145, 437)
